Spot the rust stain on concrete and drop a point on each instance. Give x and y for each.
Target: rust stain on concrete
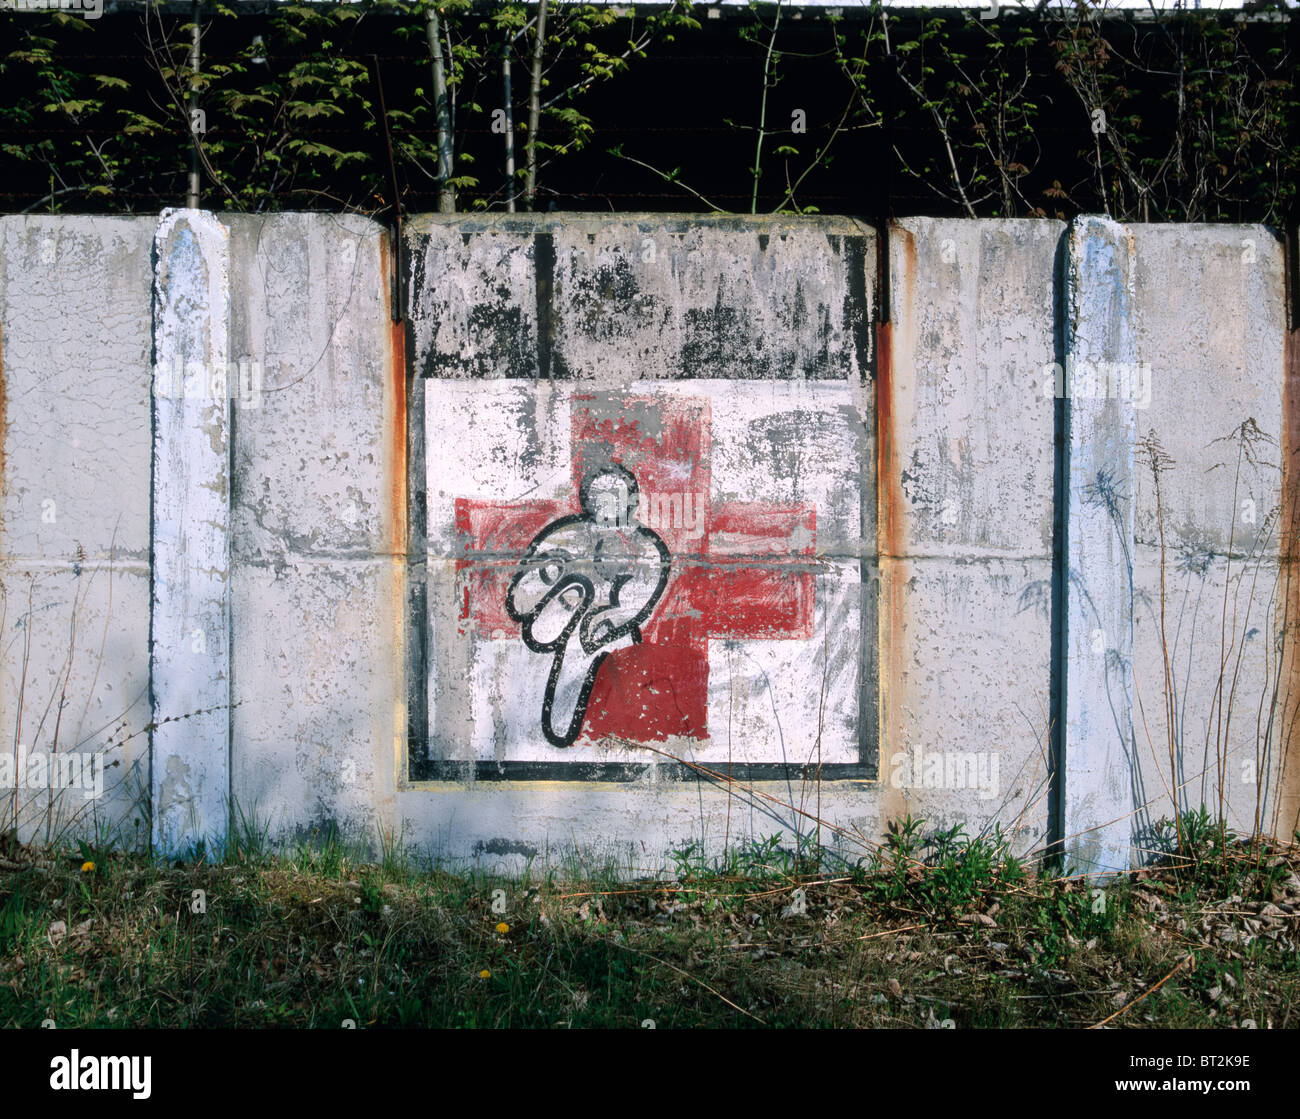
(889, 480)
(891, 527)
(890, 537)
(395, 420)
(1289, 791)
(396, 469)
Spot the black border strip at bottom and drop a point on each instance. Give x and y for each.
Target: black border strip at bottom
(745, 772)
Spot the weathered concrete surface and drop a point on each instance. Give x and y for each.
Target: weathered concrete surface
(484, 289)
(1210, 319)
(970, 338)
(637, 328)
(75, 345)
(190, 620)
(318, 620)
(725, 298)
(1100, 444)
(965, 637)
(864, 516)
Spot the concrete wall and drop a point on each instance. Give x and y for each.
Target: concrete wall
(876, 563)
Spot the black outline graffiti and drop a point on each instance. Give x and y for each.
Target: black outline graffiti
(573, 579)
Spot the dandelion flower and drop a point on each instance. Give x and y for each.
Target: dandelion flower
(485, 974)
(503, 928)
(87, 867)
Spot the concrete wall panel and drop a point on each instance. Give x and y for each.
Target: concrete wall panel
(966, 601)
(75, 342)
(1210, 321)
(317, 617)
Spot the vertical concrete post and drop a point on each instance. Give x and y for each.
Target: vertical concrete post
(1100, 445)
(190, 617)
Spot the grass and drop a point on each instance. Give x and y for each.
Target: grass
(936, 931)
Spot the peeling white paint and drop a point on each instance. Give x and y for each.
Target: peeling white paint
(190, 628)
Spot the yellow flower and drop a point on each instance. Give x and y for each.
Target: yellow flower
(87, 867)
(503, 928)
(485, 974)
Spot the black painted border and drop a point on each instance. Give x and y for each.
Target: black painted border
(745, 773)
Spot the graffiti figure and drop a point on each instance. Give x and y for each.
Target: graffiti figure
(584, 588)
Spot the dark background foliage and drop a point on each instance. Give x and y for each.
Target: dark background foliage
(1189, 117)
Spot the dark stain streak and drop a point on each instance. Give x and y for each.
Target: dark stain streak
(544, 263)
(857, 315)
(720, 341)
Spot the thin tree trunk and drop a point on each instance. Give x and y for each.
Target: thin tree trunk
(534, 106)
(762, 110)
(446, 194)
(508, 99)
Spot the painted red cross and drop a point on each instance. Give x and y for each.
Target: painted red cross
(739, 570)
